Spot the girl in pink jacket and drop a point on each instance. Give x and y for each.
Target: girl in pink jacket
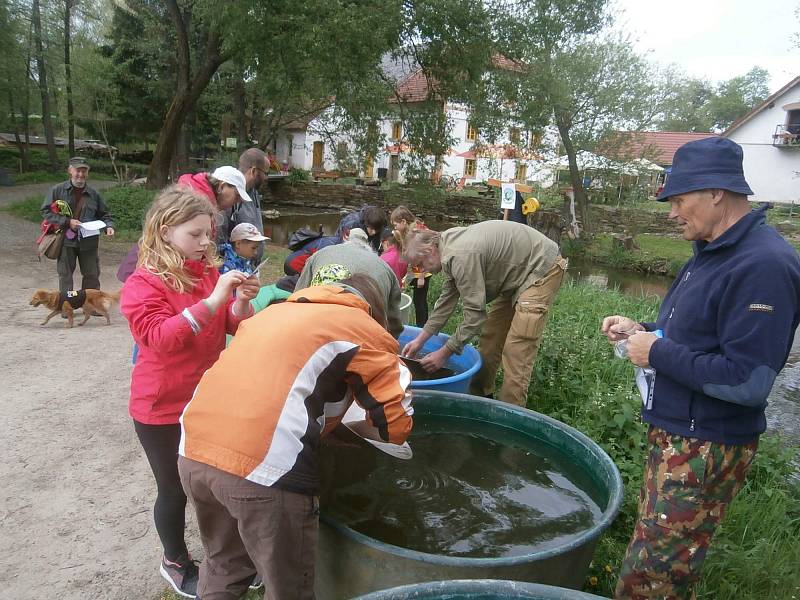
(179, 309)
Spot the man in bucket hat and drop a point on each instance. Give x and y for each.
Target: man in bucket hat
(728, 322)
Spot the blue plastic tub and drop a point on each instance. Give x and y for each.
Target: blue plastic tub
(465, 365)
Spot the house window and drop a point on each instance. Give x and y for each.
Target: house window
(793, 121)
(290, 144)
(535, 139)
(513, 135)
(469, 167)
(472, 132)
(397, 130)
(521, 172)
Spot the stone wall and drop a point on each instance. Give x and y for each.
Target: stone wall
(444, 208)
(344, 198)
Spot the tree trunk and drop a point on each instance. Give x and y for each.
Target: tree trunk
(239, 106)
(187, 91)
(42, 76)
(22, 147)
(581, 201)
(68, 75)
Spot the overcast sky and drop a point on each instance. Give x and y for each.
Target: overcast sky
(717, 39)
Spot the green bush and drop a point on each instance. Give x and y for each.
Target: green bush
(297, 175)
(128, 205)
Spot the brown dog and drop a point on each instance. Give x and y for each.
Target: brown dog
(96, 301)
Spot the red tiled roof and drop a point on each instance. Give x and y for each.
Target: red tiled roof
(658, 146)
(413, 88)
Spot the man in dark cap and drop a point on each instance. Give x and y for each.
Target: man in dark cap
(727, 322)
(67, 206)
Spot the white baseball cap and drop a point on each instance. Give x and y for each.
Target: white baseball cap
(234, 177)
(247, 231)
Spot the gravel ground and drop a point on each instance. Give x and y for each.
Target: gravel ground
(76, 505)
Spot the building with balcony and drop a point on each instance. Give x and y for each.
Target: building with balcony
(770, 137)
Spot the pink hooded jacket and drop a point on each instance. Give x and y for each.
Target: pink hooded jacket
(178, 339)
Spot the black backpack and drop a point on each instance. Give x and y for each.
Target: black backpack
(301, 237)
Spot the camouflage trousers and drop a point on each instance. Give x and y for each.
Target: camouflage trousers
(688, 486)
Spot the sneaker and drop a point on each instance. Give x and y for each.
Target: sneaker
(257, 582)
(182, 577)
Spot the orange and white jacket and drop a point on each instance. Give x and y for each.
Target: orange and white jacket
(288, 377)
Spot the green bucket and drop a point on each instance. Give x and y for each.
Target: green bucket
(478, 589)
(351, 564)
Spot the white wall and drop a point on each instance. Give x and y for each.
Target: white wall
(453, 165)
(772, 172)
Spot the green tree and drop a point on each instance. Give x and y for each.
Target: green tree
(41, 77)
(576, 75)
(697, 105)
(737, 96)
(686, 107)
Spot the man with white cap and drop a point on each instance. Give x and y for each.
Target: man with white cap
(240, 253)
(723, 333)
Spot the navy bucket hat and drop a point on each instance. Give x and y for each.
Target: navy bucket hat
(710, 163)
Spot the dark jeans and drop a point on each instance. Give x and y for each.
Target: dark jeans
(246, 527)
(420, 295)
(90, 268)
(160, 443)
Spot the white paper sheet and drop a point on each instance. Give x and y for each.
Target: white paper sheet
(91, 228)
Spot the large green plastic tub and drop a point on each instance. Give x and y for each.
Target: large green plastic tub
(478, 589)
(350, 564)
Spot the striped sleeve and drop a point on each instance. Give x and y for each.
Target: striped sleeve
(379, 381)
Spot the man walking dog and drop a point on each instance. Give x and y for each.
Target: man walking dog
(66, 206)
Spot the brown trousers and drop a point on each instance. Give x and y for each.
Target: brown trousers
(513, 333)
(246, 527)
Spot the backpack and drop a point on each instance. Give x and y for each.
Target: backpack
(301, 237)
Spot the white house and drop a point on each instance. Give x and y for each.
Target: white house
(770, 137)
(300, 143)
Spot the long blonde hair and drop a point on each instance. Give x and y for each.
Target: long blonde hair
(174, 205)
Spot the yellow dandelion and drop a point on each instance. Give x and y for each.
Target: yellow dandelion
(608, 569)
(593, 580)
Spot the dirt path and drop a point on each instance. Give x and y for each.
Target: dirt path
(76, 499)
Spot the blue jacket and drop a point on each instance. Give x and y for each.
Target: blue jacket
(729, 320)
(233, 262)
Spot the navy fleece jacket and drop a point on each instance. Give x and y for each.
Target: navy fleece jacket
(729, 320)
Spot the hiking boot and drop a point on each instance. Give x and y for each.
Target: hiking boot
(182, 576)
(257, 582)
